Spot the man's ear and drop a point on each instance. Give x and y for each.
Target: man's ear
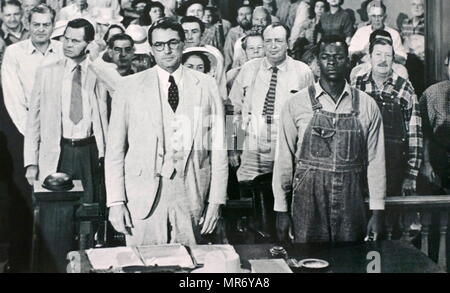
(110, 53)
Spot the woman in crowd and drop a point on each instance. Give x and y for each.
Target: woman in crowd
(152, 12)
(337, 21)
(310, 30)
(196, 61)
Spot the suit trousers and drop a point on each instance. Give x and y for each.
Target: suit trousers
(171, 219)
(82, 163)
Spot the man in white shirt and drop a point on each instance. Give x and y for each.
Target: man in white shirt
(258, 94)
(21, 61)
(360, 42)
(67, 119)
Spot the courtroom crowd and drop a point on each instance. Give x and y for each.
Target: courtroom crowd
(167, 109)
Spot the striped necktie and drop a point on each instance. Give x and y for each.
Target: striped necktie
(269, 104)
(76, 100)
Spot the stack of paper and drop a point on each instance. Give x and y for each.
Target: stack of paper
(166, 255)
(269, 266)
(109, 258)
(216, 259)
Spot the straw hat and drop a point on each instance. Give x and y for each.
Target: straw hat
(139, 36)
(60, 27)
(107, 16)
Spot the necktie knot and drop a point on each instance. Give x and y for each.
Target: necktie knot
(274, 69)
(171, 79)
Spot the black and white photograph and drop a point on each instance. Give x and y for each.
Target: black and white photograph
(233, 137)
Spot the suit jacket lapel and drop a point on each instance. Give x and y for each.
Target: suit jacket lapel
(192, 104)
(150, 92)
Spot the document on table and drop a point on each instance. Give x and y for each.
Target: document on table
(166, 255)
(117, 257)
(269, 266)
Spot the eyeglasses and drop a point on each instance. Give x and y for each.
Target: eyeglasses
(173, 45)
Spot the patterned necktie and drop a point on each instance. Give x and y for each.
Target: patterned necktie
(269, 104)
(173, 94)
(76, 101)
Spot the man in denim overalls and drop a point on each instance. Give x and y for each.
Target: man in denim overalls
(330, 136)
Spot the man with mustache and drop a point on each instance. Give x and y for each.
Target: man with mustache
(399, 107)
(244, 19)
(261, 18)
(330, 136)
(402, 121)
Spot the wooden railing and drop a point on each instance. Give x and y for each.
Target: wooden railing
(429, 207)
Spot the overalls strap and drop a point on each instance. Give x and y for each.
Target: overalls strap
(312, 95)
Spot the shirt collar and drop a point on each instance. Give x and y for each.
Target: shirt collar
(71, 65)
(392, 79)
(282, 66)
(320, 91)
(31, 49)
(164, 75)
(7, 32)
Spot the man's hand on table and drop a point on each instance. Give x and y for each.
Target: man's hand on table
(284, 224)
(209, 221)
(375, 225)
(120, 218)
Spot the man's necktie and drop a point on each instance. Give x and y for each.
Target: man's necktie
(76, 101)
(173, 94)
(269, 104)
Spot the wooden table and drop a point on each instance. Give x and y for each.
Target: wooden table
(394, 256)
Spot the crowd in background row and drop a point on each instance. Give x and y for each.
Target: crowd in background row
(226, 41)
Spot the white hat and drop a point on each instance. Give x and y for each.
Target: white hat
(139, 36)
(60, 27)
(107, 16)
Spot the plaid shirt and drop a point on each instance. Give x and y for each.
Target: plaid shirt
(411, 113)
(408, 27)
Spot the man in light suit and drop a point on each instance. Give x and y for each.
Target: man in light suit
(67, 117)
(166, 155)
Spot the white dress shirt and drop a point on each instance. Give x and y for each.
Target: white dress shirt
(360, 41)
(82, 129)
(20, 63)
